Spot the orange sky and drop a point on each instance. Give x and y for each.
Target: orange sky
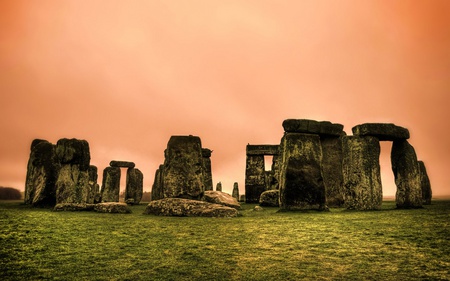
(126, 75)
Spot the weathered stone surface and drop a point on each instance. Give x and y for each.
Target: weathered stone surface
(111, 184)
(112, 207)
(242, 198)
(188, 208)
(157, 188)
(407, 175)
(122, 164)
(134, 186)
(94, 187)
(219, 186)
(72, 185)
(383, 131)
(301, 180)
(312, 127)
(73, 207)
(425, 184)
(262, 149)
(235, 193)
(255, 178)
(332, 156)
(42, 173)
(207, 173)
(183, 168)
(361, 173)
(74, 152)
(270, 198)
(222, 198)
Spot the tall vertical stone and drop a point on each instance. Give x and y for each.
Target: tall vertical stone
(94, 194)
(425, 184)
(255, 179)
(207, 177)
(407, 175)
(183, 168)
(157, 188)
(219, 186)
(361, 173)
(134, 186)
(235, 193)
(111, 184)
(72, 185)
(301, 179)
(42, 173)
(332, 157)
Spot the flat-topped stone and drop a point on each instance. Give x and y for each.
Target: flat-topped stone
(262, 149)
(188, 208)
(122, 164)
(383, 131)
(307, 126)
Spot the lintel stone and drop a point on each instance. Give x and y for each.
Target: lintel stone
(306, 126)
(122, 164)
(261, 149)
(383, 131)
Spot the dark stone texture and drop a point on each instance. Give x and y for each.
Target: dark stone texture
(134, 186)
(262, 149)
(301, 180)
(183, 168)
(188, 208)
(42, 173)
(255, 178)
(72, 185)
(312, 127)
(157, 188)
(122, 164)
(361, 173)
(235, 193)
(383, 131)
(94, 187)
(222, 198)
(112, 207)
(207, 173)
(407, 175)
(270, 198)
(111, 184)
(332, 156)
(74, 152)
(219, 186)
(425, 184)
(73, 207)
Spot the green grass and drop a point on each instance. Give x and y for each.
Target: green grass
(390, 244)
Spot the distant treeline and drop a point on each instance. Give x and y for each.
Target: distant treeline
(9, 193)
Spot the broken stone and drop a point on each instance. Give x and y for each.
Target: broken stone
(383, 131)
(270, 198)
(235, 193)
(188, 208)
(183, 168)
(361, 173)
(111, 184)
(425, 184)
(301, 186)
(112, 207)
(312, 127)
(218, 197)
(73, 207)
(407, 175)
(121, 164)
(207, 176)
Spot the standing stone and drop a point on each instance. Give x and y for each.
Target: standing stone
(361, 173)
(72, 185)
(207, 177)
(255, 178)
(219, 186)
(42, 173)
(235, 193)
(332, 157)
(407, 175)
(301, 180)
(94, 194)
(111, 184)
(425, 183)
(134, 186)
(157, 188)
(183, 172)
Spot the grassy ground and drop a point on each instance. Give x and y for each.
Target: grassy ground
(338, 245)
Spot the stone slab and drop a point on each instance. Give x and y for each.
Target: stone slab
(383, 131)
(188, 208)
(306, 126)
(262, 149)
(122, 164)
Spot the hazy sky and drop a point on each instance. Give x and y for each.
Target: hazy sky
(126, 75)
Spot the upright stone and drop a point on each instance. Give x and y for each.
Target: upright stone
(219, 186)
(361, 173)
(255, 178)
(207, 177)
(42, 173)
(425, 184)
(134, 186)
(301, 179)
(407, 175)
(94, 194)
(72, 185)
(157, 188)
(111, 184)
(332, 157)
(235, 193)
(183, 172)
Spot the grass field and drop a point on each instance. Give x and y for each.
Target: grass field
(268, 245)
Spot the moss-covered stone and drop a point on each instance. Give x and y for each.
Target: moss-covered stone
(74, 152)
(222, 198)
(111, 184)
(157, 188)
(425, 184)
(72, 185)
(207, 173)
(332, 157)
(270, 198)
(188, 208)
(255, 178)
(112, 207)
(383, 131)
(134, 186)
